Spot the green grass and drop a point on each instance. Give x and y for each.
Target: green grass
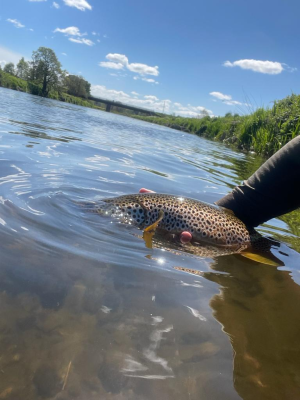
(12, 82)
(264, 131)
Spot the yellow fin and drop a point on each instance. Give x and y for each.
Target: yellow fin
(150, 230)
(147, 236)
(261, 259)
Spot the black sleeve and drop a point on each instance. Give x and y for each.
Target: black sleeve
(273, 190)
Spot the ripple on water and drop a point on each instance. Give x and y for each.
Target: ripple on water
(87, 311)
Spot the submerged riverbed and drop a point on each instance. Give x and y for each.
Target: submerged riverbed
(87, 311)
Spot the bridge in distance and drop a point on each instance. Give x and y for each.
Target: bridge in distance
(111, 103)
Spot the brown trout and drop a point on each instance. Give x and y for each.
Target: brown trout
(208, 224)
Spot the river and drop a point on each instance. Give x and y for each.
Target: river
(87, 311)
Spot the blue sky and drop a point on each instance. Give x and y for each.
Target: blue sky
(182, 57)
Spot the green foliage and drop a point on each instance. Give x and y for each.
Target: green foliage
(265, 131)
(46, 69)
(22, 69)
(77, 86)
(12, 82)
(35, 89)
(9, 68)
(43, 76)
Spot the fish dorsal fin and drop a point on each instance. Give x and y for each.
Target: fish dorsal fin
(261, 259)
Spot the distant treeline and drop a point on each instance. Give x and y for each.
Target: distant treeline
(43, 76)
(264, 131)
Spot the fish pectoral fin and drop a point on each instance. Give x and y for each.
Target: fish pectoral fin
(147, 236)
(261, 259)
(150, 230)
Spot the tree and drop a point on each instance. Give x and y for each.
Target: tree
(9, 68)
(46, 69)
(77, 86)
(23, 69)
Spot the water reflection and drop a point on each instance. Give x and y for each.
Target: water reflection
(87, 311)
(256, 307)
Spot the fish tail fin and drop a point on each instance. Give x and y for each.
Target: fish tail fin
(268, 259)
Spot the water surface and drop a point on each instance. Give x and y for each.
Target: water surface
(87, 311)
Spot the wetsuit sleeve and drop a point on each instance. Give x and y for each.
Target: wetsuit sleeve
(273, 190)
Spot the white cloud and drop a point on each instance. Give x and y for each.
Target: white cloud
(141, 69)
(98, 40)
(88, 42)
(149, 80)
(109, 94)
(94, 33)
(288, 68)
(151, 98)
(220, 96)
(81, 5)
(118, 58)
(74, 31)
(64, 54)
(112, 65)
(233, 103)
(30, 29)
(264, 67)
(226, 99)
(36, 1)
(55, 5)
(7, 56)
(149, 102)
(16, 23)
(70, 31)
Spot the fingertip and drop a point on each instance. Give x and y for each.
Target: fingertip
(143, 190)
(186, 237)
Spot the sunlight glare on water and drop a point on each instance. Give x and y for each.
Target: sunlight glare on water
(87, 311)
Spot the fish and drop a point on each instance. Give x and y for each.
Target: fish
(211, 226)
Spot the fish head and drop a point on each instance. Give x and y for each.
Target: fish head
(127, 209)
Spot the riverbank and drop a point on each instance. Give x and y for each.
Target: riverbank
(264, 131)
(12, 82)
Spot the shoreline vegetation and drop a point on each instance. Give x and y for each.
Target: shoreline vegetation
(263, 131)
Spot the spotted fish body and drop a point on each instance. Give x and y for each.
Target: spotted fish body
(207, 223)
